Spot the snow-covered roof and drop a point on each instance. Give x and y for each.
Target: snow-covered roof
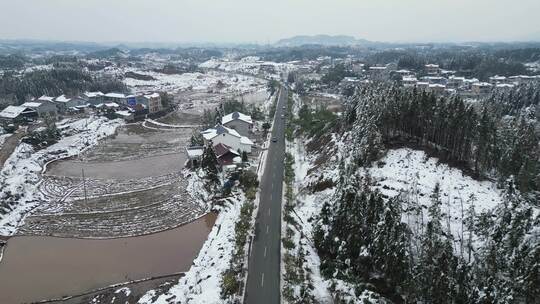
(194, 152)
(12, 111)
(153, 95)
(482, 84)
(62, 98)
(505, 85)
(246, 141)
(432, 65)
(497, 77)
(436, 85)
(123, 113)
(219, 129)
(350, 79)
(236, 116)
(115, 95)
(93, 94)
(412, 78)
(31, 104)
(45, 98)
(111, 105)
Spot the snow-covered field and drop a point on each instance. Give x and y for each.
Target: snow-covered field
(215, 81)
(250, 65)
(21, 174)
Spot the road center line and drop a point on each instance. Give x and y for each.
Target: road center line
(267, 229)
(262, 280)
(264, 251)
(268, 211)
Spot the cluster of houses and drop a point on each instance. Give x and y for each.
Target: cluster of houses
(230, 139)
(121, 105)
(442, 81)
(430, 78)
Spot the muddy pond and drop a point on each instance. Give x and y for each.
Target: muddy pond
(38, 268)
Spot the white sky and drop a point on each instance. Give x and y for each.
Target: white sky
(269, 20)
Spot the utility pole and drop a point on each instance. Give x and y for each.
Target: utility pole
(84, 187)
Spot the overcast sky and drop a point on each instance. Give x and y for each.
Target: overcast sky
(268, 20)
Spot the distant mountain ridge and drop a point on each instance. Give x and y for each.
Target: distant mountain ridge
(327, 40)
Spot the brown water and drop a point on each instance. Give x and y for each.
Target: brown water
(37, 268)
(137, 168)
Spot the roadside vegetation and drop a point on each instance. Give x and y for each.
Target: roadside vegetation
(233, 279)
(297, 282)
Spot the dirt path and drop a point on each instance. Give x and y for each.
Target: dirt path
(10, 144)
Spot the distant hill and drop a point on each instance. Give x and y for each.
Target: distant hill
(327, 40)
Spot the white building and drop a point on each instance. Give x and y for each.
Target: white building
(63, 103)
(227, 136)
(154, 103)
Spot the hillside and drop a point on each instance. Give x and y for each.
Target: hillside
(368, 222)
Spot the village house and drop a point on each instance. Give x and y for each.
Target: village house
(227, 136)
(226, 156)
(42, 107)
(432, 69)
(64, 103)
(436, 88)
(497, 79)
(94, 98)
(16, 115)
(409, 81)
(422, 85)
(481, 88)
(153, 102)
(242, 123)
(521, 79)
(455, 82)
(434, 79)
(377, 70)
(504, 86)
(118, 98)
(126, 115)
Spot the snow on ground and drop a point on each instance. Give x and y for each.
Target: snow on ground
(21, 174)
(250, 65)
(413, 173)
(224, 82)
(308, 206)
(406, 171)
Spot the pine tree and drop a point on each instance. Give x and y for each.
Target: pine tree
(210, 164)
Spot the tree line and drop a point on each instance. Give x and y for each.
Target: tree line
(54, 82)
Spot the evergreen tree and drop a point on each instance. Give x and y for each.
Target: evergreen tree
(210, 164)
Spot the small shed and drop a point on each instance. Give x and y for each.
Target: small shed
(194, 154)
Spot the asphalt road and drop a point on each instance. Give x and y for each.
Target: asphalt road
(263, 284)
